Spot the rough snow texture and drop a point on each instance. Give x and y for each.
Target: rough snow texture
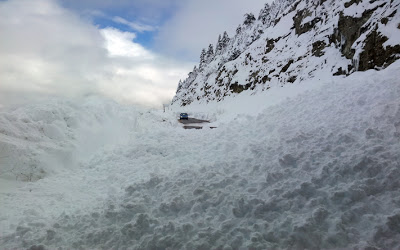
(320, 169)
(295, 41)
(34, 140)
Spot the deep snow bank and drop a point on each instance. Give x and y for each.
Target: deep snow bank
(47, 152)
(52, 136)
(320, 169)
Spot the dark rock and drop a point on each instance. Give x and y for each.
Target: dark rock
(237, 88)
(348, 4)
(393, 13)
(265, 79)
(298, 19)
(270, 45)
(254, 79)
(318, 46)
(375, 55)
(248, 58)
(235, 54)
(292, 79)
(218, 79)
(350, 28)
(339, 72)
(300, 58)
(349, 68)
(276, 21)
(294, 7)
(286, 67)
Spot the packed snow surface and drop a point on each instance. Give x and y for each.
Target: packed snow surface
(316, 168)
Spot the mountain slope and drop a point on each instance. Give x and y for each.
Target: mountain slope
(292, 41)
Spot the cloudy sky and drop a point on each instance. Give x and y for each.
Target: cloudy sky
(133, 51)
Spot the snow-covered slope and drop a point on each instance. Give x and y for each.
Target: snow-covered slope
(295, 41)
(313, 169)
(309, 165)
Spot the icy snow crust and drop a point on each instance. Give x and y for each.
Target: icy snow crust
(320, 169)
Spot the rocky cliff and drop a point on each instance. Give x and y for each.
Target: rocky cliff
(292, 41)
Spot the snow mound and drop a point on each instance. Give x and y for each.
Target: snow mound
(320, 169)
(49, 137)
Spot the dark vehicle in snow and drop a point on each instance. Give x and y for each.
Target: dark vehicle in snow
(183, 116)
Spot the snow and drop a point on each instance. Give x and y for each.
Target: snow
(281, 28)
(232, 107)
(314, 165)
(388, 30)
(391, 31)
(303, 165)
(318, 45)
(39, 135)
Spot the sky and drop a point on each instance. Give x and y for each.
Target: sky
(133, 51)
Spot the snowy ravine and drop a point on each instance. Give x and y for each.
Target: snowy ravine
(313, 169)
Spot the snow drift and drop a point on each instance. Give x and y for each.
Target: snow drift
(47, 137)
(315, 170)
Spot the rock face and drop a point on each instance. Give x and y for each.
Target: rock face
(296, 40)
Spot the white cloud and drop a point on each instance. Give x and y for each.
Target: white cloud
(48, 50)
(133, 25)
(198, 23)
(147, 11)
(138, 74)
(120, 43)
